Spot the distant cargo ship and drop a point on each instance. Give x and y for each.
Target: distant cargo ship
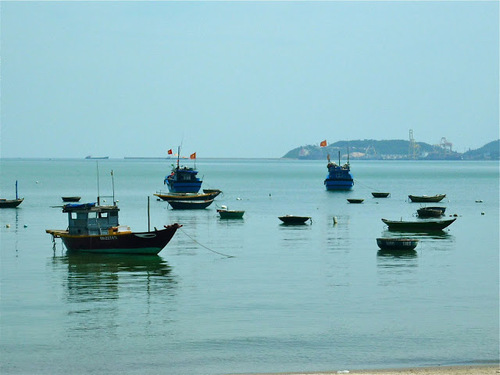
(96, 157)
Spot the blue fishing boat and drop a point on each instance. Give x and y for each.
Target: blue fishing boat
(339, 176)
(183, 179)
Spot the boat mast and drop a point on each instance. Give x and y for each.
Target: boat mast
(98, 194)
(16, 191)
(339, 157)
(178, 155)
(149, 218)
(113, 186)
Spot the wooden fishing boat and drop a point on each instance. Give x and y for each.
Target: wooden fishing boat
(71, 199)
(427, 198)
(190, 204)
(230, 214)
(397, 243)
(11, 203)
(187, 196)
(380, 195)
(355, 200)
(420, 225)
(431, 212)
(95, 229)
(294, 220)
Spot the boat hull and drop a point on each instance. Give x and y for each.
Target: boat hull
(10, 203)
(339, 184)
(415, 226)
(189, 204)
(426, 212)
(144, 243)
(187, 196)
(230, 214)
(352, 200)
(294, 220)
(380, 195)
(397, 243)
(71, 199)
(426, 198)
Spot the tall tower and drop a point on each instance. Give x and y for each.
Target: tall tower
(413, 148)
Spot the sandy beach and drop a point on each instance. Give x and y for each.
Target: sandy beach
(444, 370)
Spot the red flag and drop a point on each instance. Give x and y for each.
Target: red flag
(169, 152)
(323, 143)
(192, 156)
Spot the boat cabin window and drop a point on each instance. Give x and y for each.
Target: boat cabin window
(103, 215)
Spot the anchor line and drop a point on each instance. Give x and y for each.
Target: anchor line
(366, 186)
(213, 251)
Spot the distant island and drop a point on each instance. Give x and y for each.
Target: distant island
(370, 149)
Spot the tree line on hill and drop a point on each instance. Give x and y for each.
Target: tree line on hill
(370, 149)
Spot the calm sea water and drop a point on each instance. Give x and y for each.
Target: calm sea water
(308, 298)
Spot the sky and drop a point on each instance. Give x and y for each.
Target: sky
(238, 79)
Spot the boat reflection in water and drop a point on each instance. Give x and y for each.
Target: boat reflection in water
(399, 253)
(97, 277)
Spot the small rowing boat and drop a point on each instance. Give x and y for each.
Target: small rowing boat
(426, 198)
(420, 225)
(397, 243)
(294, 220)
(189, 204)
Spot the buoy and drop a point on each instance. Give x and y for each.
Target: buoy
(7, 226)
(482, 213)
(26, 225)
(334, 220)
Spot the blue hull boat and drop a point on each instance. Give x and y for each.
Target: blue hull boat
(183, 179)
(338, 177)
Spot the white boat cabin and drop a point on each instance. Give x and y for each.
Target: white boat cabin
(88, 219)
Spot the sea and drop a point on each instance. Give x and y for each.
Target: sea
(250, 295)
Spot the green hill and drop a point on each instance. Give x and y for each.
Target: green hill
(489, 151)
(371, 149)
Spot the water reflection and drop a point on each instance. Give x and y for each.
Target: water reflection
(437, 235)
(402, 253)
(106, 293)
(93, 277)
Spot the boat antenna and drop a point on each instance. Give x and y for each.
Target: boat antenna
(347, 155)
(339, 157)
(98, 194)
(113, 186)
(16, 191)
(178, 155)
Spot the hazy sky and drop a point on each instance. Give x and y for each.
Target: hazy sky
(244, 79)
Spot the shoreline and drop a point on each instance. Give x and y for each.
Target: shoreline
(436, 370)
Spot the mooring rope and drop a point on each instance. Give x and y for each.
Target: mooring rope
(366, 186)
(213, 251)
